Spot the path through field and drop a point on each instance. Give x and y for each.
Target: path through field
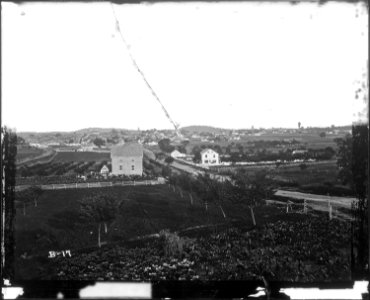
(321, 202)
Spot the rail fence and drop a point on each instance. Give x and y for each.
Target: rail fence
(64, 186)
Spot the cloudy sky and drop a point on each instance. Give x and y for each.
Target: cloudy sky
(233, 65)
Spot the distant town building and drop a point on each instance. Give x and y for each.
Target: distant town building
(177, 154)
(299, 152)
(209, 157)
(104, 170)
(127, 159)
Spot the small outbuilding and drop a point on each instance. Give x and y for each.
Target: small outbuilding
(177, 154)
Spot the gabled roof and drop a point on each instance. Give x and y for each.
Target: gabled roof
(177, 152)
(206, 150)
(129, 149)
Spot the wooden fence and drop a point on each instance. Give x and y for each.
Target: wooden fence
(83, 185)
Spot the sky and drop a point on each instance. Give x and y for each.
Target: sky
(230, 65)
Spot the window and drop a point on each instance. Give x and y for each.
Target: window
(132, 168)
(120, 167)
(206, 161)
(206, 155)
(214, 156)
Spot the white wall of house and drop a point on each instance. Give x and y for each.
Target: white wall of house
(210, 157)
(127, 165)
(177, 154)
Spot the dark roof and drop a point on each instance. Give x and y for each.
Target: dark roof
(129, 149)
(208, 149)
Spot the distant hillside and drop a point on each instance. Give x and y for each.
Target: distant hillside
(201, 128)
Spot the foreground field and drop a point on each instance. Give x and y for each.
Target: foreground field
(55, 225)
(305, 250)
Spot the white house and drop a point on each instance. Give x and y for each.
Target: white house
(104, 170)
(209, 157)
(127, 159)
(177, 154)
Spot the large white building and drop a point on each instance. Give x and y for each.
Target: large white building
(209, 157)
(127, 159)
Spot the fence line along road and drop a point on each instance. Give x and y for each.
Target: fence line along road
(83, 185)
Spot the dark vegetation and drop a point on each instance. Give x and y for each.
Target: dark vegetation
(8, 171)
(306, 249)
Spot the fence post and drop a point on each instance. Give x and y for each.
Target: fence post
(330, 212)
(253, 219)
(76, 185)
(191, 199)
(305, 206)
(88, 185)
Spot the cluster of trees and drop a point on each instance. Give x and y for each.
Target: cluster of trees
(353, 162)
(99, 142)
(166, 147)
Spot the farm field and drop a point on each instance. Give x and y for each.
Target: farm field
(62, 168)
(81, 156)
(55, 225)
(28, 153)
(312, 141)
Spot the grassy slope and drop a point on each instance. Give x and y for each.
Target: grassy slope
(55, 225)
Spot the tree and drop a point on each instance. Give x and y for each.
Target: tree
(169, 160)
(166, 171)
(329, 152)
(251, 190)
(196, 152)
(8, 173)
(36, 192)
(99, 142)
(214, 191)
(322, 134)
(100, 209)
(20, 140)
(344, 161)
(184, 144)
(181, 148)
(23, 198)
(303, 166)
(165, 145)
(353, 170)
